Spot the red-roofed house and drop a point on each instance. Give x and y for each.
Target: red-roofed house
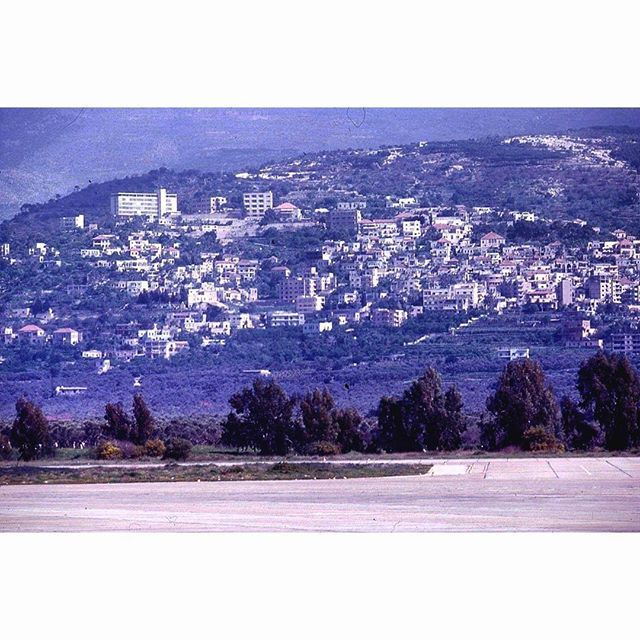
(31, 334)
(492, 240)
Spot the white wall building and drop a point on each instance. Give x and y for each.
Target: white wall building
(69, 223)
(151, 205)
(257, 202)
(216, 203)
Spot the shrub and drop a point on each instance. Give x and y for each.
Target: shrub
(323, 448)
(131, 451)
(539, 439)
(5, 448)
(283, 467)
(108, 450)
(177, 449)
(154, 448)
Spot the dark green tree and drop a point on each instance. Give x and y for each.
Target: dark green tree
(266, 412)
(454, 422)
(522, 400)
(118, 424)
(609, 388)
(424, 411)
(30, 431)
(235, 432)
(143, 419)
(177, 449)
(317, 410)
(578, 432)
(423, 418)
(348, 424)
(5, 447)
(391, 424)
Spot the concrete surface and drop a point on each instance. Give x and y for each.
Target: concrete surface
(554, 494)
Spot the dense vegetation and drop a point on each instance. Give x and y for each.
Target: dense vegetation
(522, 412)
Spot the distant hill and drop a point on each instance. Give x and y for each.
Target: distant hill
(592, 175)
(44, 152)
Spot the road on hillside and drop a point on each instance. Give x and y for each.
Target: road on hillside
(541, 494)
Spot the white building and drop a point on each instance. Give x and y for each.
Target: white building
(289, 212)
(309, 304)
(94, 354)
(216, 203)
(513, 353)
(73, 222)
(352, 205)
(285, 319)
(257, 202)
(150, 205)
(70, 391)
(317, 326)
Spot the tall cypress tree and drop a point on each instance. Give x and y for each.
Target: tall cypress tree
(144, 422)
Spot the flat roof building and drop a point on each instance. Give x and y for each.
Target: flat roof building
(150, 205)
(257, 203)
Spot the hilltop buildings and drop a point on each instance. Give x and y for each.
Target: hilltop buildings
(195, 280)
(149, 205)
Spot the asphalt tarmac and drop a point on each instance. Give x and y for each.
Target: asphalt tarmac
(525, 494)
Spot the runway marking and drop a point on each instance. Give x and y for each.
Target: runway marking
(486, 469)
(552, 469)
(585, 470)
(619, 469)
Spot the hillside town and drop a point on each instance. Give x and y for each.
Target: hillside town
(175, 273)
(376, 270)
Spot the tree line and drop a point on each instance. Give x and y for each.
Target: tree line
(522, 412)
(120, 435)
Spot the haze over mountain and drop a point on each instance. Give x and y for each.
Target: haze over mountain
(44, 152)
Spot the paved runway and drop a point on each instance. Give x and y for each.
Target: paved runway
(554, 494)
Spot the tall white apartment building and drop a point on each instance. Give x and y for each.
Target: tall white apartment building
(216, 203)
(151, 205)
(257, 202)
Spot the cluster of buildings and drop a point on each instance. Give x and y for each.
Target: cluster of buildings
(378, 267)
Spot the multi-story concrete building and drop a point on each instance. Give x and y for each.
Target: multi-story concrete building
(344, 221)
(564, 293)
(309, 304)
(285, 319)
(290, 289)
(216, 203)
(257, 203)
(352, 205)
(150, 205)
(627, 343)
(317, 326)
(378, 228)
(69, 223)
(388, 317)
(513, 353)
(604, 288)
